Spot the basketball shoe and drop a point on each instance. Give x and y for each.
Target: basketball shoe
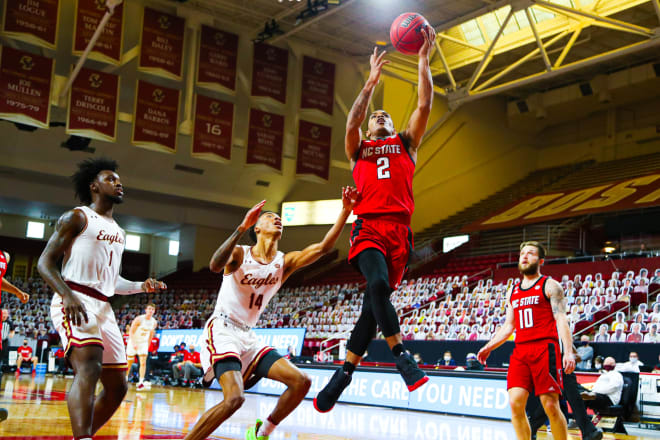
(251, 433)
(329, 395)
(412, 375)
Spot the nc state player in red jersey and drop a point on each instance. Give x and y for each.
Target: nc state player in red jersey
(536, 311)
(381, 240)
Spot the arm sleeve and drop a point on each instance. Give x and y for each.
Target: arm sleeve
(125, 287)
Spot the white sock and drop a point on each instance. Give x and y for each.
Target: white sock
(267, 428)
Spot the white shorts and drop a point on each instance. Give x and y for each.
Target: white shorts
(141, 350)
(223, 340)
(101, 329)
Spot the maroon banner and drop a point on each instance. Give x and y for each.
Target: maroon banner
(635, 193)
(108, 47)
(161, 46)
(266, 138)
(25, 81)
(213, 128)
(269, 71)
(34, 21)
(218, 51)
(314, 142)
(93, 105)
(318, 85)
(156, 117)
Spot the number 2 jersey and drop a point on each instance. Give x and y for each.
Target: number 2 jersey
(383, 174)
(532, 313)
(245, 293)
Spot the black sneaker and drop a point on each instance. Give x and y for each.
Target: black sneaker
(412, 375)
(595, 435)
(3, 414)
(329, 395)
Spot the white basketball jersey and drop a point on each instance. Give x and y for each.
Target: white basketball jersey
(245, 293)
(143, 330)
(94, 258)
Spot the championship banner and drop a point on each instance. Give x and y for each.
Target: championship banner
(318, 85)
(32, 21)
(156, 117)
(25, 81)
(93, 105)
(265, 139)
(161, 44)
(108, 47)
(218, 52)
(639, 192)
(314, 143)
(214, 120)
(269, 71)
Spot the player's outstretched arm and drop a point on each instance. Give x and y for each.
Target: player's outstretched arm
(500, 337)
(10, 288)
(359, 110)
(420, 117)
(228, 256)
(150, 285)
(297, 259)
(556, 294)
(69, 226)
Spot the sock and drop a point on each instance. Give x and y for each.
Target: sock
(348, 368)
(397, 349)
(267, 428)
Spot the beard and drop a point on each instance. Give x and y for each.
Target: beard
(531, 269)
(117, 200)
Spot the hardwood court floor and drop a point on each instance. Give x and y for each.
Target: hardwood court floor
(37, 411)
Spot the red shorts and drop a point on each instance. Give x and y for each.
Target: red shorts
(394, 240)
(536, 367)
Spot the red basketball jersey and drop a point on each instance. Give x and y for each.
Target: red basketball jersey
(383, 174)
(3, 269)
(532, 313)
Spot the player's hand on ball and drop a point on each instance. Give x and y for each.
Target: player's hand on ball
(377, 62)
(349, 197)
(429, 39)
(569, 363)
(74, 310)
(252, 216)
(153, 285)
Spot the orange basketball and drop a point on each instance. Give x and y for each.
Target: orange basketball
(406, 32)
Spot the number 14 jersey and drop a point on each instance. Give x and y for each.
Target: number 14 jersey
(383, 174)
(532, 313)
(245, 293)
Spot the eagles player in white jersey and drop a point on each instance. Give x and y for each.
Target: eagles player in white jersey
(230, 351)
(142, 331)
(92, 244)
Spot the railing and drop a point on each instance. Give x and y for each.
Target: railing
(588, 259)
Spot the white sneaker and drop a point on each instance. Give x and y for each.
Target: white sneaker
(140, 387)
(147, 385)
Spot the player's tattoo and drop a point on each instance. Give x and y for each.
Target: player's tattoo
(223, 253)
(359, 109)
(556, 294)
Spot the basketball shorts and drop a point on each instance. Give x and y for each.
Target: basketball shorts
(394, 240)
(140, 348)
(224, 340)
(101, 329)
(536, 366)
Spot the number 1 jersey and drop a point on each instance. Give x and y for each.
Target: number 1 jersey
(383, 174)
(532, 313)
(245, 293)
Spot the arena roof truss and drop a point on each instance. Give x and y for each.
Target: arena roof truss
(532, 43)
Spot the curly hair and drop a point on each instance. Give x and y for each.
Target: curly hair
(87, 171)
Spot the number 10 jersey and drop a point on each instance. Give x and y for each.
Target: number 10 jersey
(245, 293)
(532, 313)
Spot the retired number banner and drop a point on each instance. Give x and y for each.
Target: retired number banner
(218, 52)
(93, 105)
(156, 117)
(318, 85)
(25, 81)
(265, 139)
(108, 47)
(213, 127)
(161, 45)
(269, 71)
(33, 21)
(314, 141)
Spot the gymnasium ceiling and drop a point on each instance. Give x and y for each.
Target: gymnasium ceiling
(348, 29)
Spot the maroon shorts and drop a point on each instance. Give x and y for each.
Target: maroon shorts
(394, 240)
(536, 367)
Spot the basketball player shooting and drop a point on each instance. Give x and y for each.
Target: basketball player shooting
(230, 350)
(381, 239)
(535, 310)
(142, 331)
(92, 244)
